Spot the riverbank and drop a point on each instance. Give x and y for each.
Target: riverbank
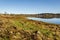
(20, 28)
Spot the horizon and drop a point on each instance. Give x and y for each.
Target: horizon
(27, 13)
(29, 6)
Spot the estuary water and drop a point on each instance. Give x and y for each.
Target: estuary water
(51, 20)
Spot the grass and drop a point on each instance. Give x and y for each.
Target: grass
(29, 28)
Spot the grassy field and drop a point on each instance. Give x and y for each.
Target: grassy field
(20, 28)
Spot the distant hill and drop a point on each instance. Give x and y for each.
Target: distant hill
(43, 15)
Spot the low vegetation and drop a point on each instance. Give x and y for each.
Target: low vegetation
(20, 28)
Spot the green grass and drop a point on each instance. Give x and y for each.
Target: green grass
(30, 26)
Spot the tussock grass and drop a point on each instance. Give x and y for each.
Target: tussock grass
(20, 28)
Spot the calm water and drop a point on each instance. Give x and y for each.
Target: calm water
(53, 20)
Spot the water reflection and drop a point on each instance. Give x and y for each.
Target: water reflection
(53, 20)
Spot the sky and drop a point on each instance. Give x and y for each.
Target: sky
(30, 6)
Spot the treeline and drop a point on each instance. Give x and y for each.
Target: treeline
(43, 15)
(39, 15)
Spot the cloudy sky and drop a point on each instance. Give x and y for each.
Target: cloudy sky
(30, 6)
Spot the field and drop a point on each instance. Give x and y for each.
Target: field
(13, 27)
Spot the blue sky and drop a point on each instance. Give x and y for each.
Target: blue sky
(30, 6)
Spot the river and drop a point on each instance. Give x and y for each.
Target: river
(51, 20)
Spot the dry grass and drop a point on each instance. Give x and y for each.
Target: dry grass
(20, 28)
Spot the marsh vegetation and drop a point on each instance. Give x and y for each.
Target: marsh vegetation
(20, 28)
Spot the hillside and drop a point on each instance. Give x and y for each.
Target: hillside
(44, 15)
(20, 28)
